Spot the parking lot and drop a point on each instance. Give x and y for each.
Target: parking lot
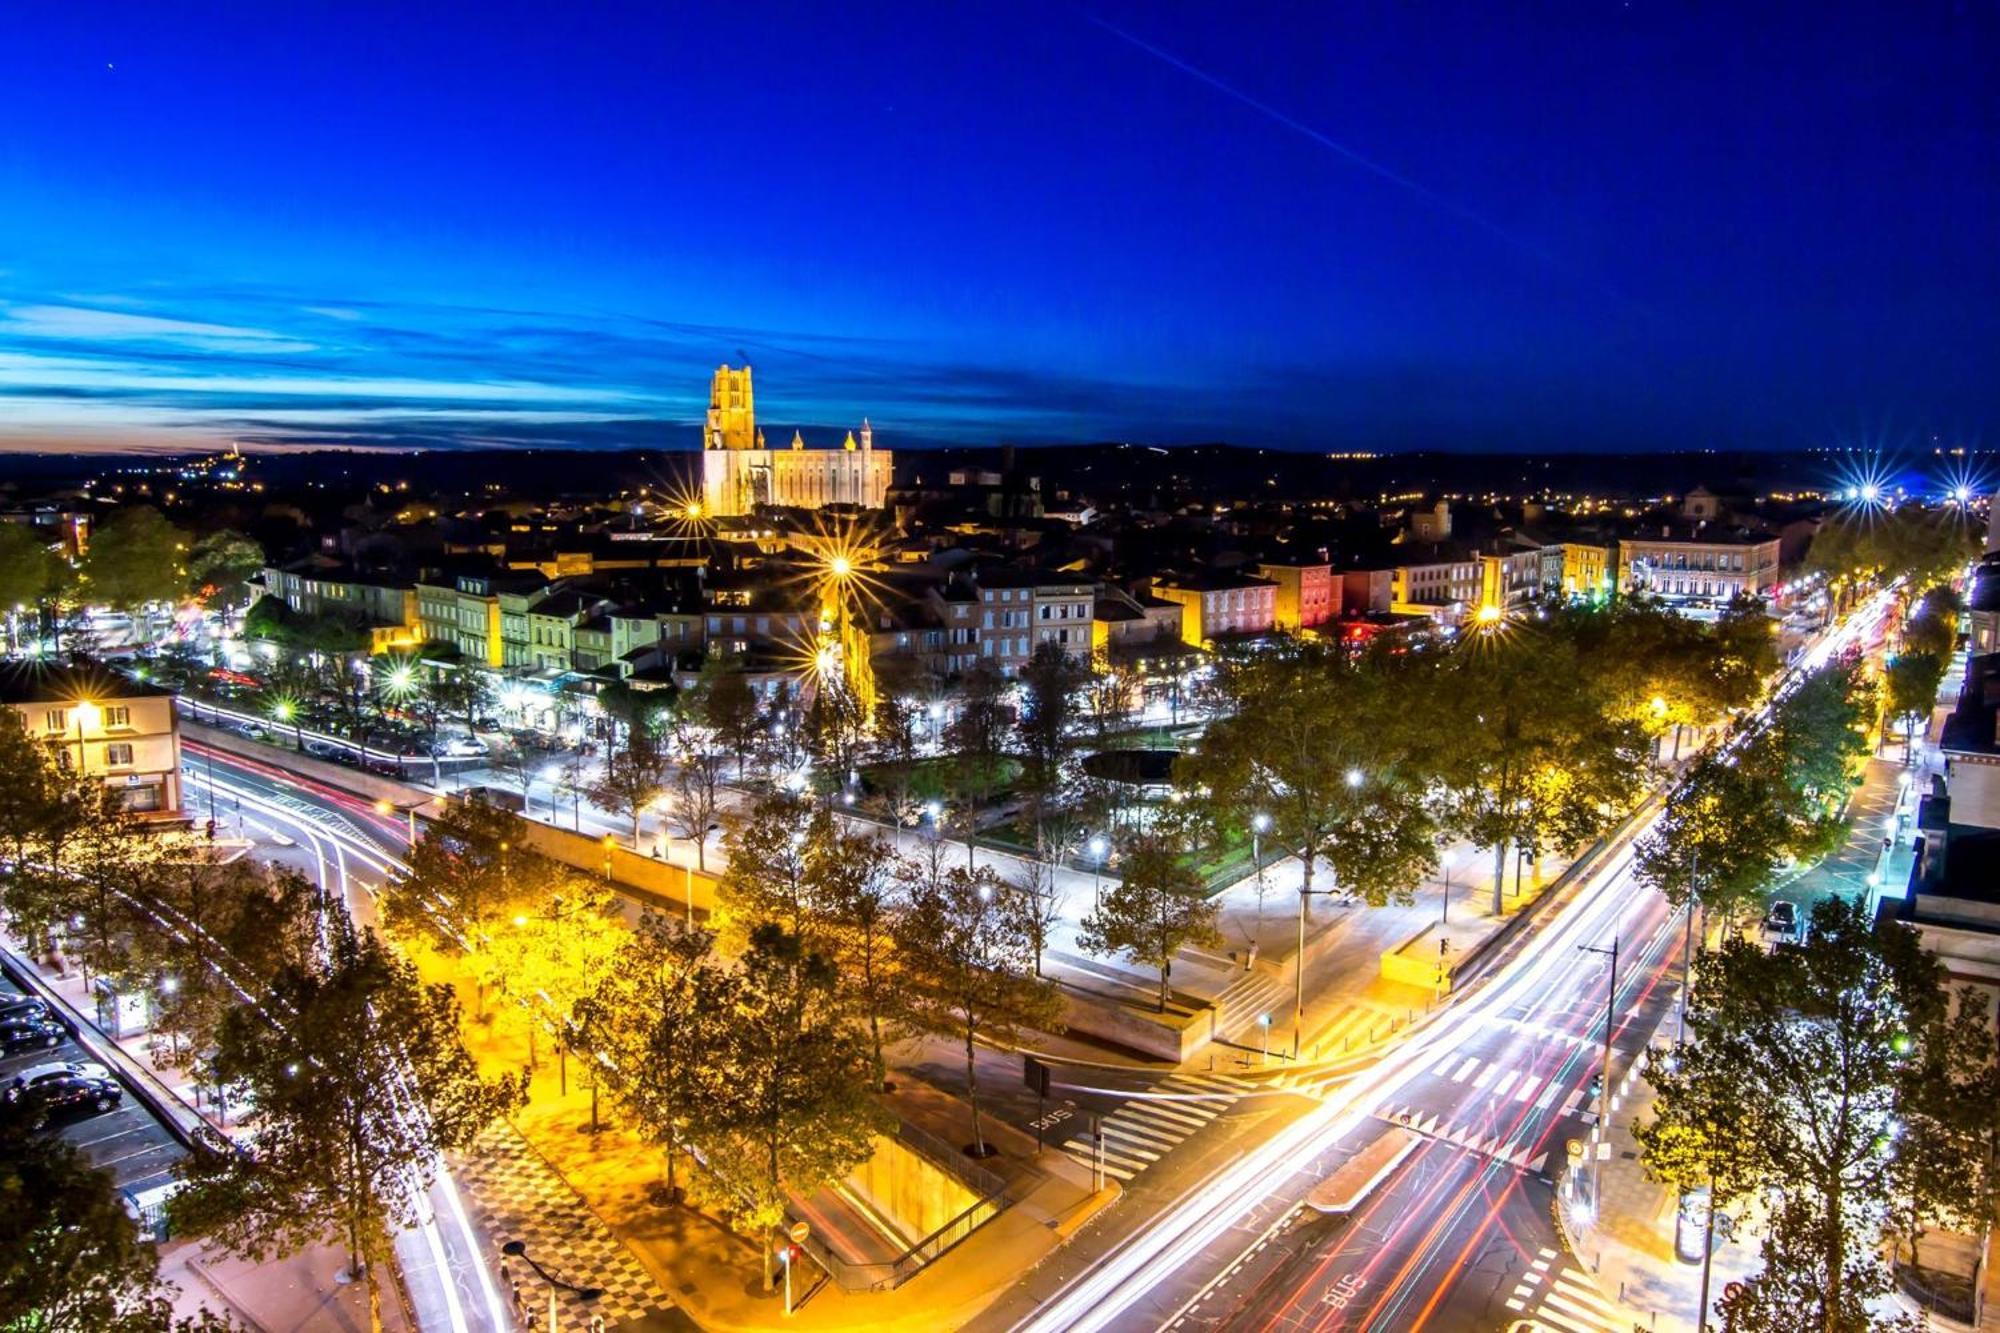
(126, 1141)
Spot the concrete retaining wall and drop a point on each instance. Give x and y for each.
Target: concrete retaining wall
(399, 794)
(1168, 1036)
(905, 1190)
(647, 877)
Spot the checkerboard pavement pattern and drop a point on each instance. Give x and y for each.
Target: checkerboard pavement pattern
(516, 1195)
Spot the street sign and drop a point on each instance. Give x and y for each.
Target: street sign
(1036, 1075)
(800, 1230)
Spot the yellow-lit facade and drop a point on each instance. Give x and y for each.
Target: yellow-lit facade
(738, 472)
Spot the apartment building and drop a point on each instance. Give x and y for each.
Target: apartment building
(1702, 564)
(103, 723)
(1307, 596)
(1218, 605)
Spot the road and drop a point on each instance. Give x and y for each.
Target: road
(1438, 1243)
(348, 848)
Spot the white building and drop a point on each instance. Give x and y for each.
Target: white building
(738, 473)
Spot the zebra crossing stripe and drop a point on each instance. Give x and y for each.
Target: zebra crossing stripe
(1471, 1063)
(1125, 1130)
(1504, 1082)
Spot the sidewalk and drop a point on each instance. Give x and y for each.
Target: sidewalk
(297, 1291)
(588, 1205)
(1621, 1224)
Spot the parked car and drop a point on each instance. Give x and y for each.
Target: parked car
(1782, 921)
(497, 797)
(66, 1085)
(22, 1006)
(460, 747)
(28, 1031)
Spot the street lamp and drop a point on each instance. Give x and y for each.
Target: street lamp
(87, 715)
(1098, 849)
(1445, 858)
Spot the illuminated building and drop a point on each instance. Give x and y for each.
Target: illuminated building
(103, 724)
(738, 472)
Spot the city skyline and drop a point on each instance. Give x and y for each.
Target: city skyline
(1409, 229)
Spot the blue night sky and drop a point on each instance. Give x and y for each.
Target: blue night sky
(1329, 226)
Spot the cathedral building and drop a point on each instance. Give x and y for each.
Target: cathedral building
(738, 472)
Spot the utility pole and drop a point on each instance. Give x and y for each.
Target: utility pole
(1687, 945)
(1604, 1078)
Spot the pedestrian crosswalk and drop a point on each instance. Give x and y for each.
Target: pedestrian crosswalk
(1481, 1138)
(1501, 1082)
(1153, 1124)
(1554, 1297)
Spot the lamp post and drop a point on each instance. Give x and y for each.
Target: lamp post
(1259, 822)
(1604, 1078)
(1098, 848)
(86, 714)
(1445, 858)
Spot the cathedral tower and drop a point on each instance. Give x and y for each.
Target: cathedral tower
(732, 412)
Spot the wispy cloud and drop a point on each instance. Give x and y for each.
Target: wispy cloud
(84, 324)
(274, 369)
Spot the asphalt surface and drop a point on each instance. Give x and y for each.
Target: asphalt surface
(128, 1142)
(1448, 1238)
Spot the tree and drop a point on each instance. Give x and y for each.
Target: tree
(30, 572)
(1536, 756)
(1050, 682)
(657, 1025)
(1816, 740)
(728, 706)
(211, 934)
(135, 557)
(1156, 908)
(1932, 625)
(1107, 696)
(354, 1081)
(518, 763)
(695, 788)
(791, 1102)
(551, 958)
(630, 782)
(1817, 1059)
(853, 881)
(71, 1260)
(967, 946)
(221, 566)
(977, 735)
(1720, 840)
(765, 881)
(44, 810)
(836, 727)
(463, 877)
(1911, 684)
(1334, 755)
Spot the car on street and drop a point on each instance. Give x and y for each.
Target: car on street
(25, 1032)
(66, 1085)
(21, 1006)
(1782, 921)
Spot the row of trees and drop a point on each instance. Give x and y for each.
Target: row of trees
(348, 1070)
(1867, 545)
(1850, 1090)
(1527, 739)
(1776, 797)
(133, 558)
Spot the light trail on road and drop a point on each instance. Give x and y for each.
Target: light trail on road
(319, 835)
(1179, 1235)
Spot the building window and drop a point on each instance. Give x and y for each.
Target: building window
(118, 754)
(121, 716)
(56, 719)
